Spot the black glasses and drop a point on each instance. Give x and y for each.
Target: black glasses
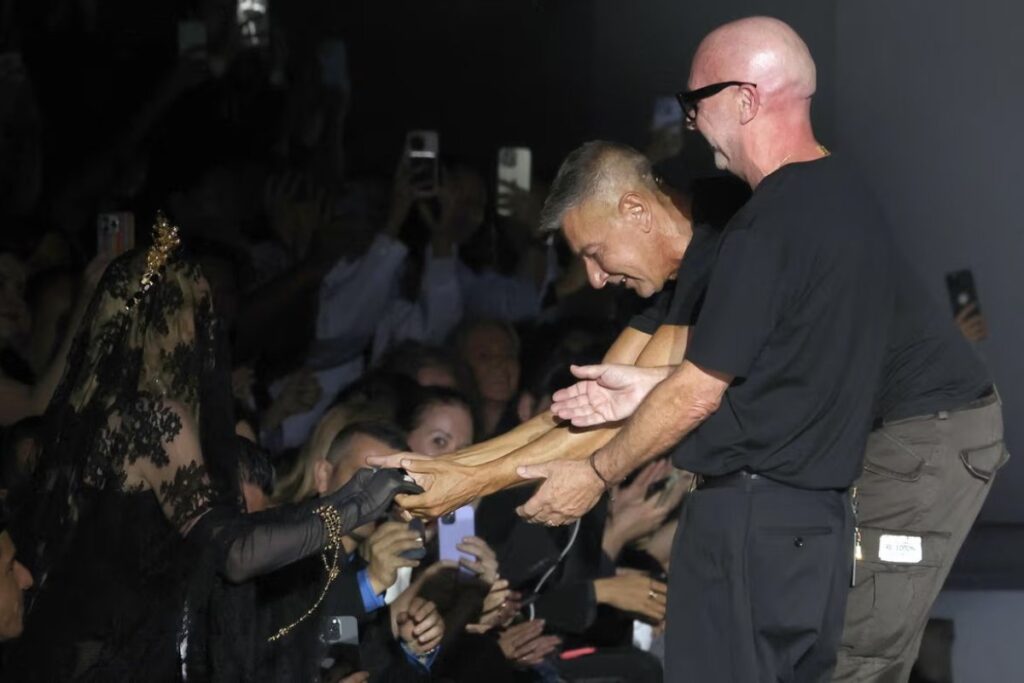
(688, 99)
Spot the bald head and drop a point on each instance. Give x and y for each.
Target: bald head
(760, 119)
(759, 50)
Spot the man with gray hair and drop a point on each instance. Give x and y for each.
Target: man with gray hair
(775, 398)
(629, 231)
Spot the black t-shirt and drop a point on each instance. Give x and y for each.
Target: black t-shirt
(796, 311)
(680, 303)
(929, 366)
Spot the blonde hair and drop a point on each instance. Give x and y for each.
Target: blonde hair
(300, 482)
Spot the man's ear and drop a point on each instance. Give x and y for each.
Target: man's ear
(749, 103)
(633, 209)
(322, 472)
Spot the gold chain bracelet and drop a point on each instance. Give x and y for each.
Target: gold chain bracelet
(332, 548)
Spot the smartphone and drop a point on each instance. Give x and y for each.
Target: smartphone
(962, 292)
(422, 150)
(341, 634)
(451, 529)
(643, 635)
(515, 168)
(192, 39)
(421, 552)
(115, 233)
(342, 631)
(253, 22)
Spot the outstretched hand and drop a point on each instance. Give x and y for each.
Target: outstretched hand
(445, 485)
(368, 495)
(571, 488)
(607, 393)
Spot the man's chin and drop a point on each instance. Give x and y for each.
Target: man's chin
(644, 290)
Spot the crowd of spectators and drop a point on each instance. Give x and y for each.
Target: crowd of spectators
(365, 318)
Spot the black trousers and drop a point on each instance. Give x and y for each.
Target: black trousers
(758, 584)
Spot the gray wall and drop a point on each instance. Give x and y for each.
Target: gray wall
(923, 95)
(929, 99)
(989, 634)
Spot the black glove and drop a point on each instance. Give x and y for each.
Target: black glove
(257, 544)
(368, 495)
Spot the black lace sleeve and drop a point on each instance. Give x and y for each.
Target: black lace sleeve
(166, 452)
(253, 545)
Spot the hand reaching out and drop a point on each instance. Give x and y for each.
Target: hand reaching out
(526, 645)
(607, 393)
(486, 564)
(571, 488)
(650, 474)
(634, 593)
(639, 519)
(447, 485)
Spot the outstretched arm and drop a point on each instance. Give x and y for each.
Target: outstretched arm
(626, 349)
(256, 544)
(671, 411)
(452, 483)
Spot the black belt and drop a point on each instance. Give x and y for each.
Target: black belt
(736, 480)
(987, 397)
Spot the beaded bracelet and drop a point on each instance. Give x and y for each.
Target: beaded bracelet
(333, 529)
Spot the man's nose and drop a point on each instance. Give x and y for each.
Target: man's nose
(23, 575)
(598, 278)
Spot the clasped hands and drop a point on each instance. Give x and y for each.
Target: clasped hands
(571, 487)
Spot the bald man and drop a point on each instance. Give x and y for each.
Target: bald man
(775, 397)
(937, 430)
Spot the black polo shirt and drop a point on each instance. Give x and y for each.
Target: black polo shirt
(796, 310)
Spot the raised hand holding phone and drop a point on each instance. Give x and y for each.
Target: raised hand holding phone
(452, 530)
(422, 150)
(515, 169)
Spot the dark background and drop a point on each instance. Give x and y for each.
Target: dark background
(925, 96)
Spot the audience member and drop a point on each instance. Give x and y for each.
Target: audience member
(20, 399)
(438, 421)
(15, 579)
(20, 452)
(491, 349)
(429, 366)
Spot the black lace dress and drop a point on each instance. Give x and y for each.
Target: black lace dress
(132, 526)
(117, 603)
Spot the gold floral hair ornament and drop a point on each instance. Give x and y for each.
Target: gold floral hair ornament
(165, 241)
